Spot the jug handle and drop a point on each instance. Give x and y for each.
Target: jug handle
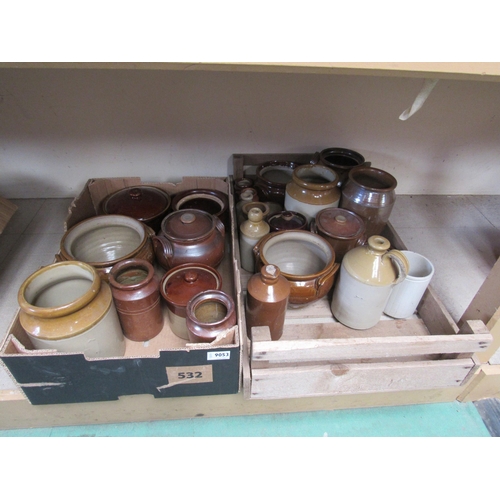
(401, 262)
(163, 248)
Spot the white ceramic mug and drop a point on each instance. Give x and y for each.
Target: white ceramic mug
(405, 296)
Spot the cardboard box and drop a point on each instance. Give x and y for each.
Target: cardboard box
(318, 356)
(164, 366)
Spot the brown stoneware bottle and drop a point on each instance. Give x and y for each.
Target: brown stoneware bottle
(136, 294)
(267, 300)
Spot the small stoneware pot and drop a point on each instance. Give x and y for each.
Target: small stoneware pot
(251, 231)
(136, 294)
(286, 220)
(147, 204)
(370, 193)
(209, 200)
(240, 184)
(312, 188)
(209, 314)
(272, 178)
(341, 160)
(305, 259)
(343, 229)
(67, 307)
(179, 285)
(190, 236)
(104, 240)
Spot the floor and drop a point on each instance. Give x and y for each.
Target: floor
(459, 234)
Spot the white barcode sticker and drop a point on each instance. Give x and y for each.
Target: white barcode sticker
(218, 355)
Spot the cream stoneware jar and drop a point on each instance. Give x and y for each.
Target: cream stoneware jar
(367, 276)
(66, 306)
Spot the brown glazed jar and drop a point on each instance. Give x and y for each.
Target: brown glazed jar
(190, 236)
(241, 184)
(136, 294)
(267, 300)
(147, 204)
(209, 314)
(286, 220)
(179, 285)
(272, 178)
(370, 193)
(341, 160)
(342, 228)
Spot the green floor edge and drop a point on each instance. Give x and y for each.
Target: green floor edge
(453, 419)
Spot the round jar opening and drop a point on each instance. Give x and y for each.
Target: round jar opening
(373, 178)
(210, 311)
(132, 276)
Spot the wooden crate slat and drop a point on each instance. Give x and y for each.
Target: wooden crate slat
(343, 379)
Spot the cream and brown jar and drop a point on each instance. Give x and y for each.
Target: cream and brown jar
(67, 307)
(312, 188)
(251, 232)
(367, 276)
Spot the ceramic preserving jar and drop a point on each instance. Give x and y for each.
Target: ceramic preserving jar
(179, 285)
(104, 240)
(272, 178)
(367, 276)
(286, 220)
(341, 160)
(312, 188)
(68, 308)
(136, 294)
(210, 314)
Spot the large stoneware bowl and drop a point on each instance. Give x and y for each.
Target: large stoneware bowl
(305, 259)
(104, 240)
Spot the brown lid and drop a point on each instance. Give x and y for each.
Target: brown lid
(139, 202)
(188, 225)
(287, 220)
(339, 223)
(183, 282)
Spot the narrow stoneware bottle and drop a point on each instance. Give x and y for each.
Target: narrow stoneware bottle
(251, 231)
(267, 300)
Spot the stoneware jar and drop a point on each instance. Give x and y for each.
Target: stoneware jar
(370, 193)
(312, 188)
(66, 306)
(240, 184)
(136, 294)
(305, 259)
(367, 276)
(341, 160)
(190, 236)
(267, 300)
(179, 285)
(342, 228)
(209, 314)
(251, 231)
(148, 204)
(272, 178)
(247, 196)
(286, 220)
(104, 240)
(213, 201)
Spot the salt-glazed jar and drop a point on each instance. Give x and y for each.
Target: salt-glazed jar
(136, 294)
(367, 276)
(267, 300)
(312, 188)
(67, 307)
(179, 285)
(342, 228)
(209, 314)
(251, 232)
(190, 236)
(370, 193)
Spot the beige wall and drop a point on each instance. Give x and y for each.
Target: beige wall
(60, 127)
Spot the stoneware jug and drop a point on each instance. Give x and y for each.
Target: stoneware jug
(67, 307)
(251, 232)
(367, 276)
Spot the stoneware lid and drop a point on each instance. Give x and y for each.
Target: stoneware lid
(140, 202)
(287, 220)
(188, 225)
(339, 223)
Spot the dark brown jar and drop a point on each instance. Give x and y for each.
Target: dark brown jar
(190, 236)
(148, 204)
(241, 184)
(370, 193)
(341, 160)
(267, 300)
(209, 314)
(286, 220)
(272, 178)
(179, 285)
(342, 228)
(136, 294)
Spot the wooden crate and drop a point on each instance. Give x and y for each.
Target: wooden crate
(318, 356)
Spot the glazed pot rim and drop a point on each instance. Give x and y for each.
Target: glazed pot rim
(211, 296)
(63, 309)
(123, 265)
(312, 238)
(324, 230)
(211, 217)
(286, 166)
(378, 173)
(219, 197)
(99, 220)
(350, 153)
(315, 186)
